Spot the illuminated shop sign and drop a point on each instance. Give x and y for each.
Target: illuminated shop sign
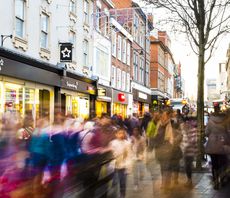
(72, 85)
(121, 97)
(142, 96)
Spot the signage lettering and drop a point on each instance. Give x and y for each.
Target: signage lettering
(142, 96)
(101, 92)
(71, 85)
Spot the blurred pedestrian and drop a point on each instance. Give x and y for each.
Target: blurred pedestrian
(189, 147)
(121, 150)
(163, 150)
(216, 131)
(138, 146)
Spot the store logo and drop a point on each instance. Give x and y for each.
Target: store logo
(66, 52)
(71, 85)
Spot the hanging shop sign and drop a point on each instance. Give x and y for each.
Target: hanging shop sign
(66, 52)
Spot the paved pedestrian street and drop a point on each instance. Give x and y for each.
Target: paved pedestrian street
(202, 187)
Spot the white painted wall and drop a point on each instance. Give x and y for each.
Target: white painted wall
(59, 28)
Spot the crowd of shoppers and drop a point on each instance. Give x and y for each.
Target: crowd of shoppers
(45, 154)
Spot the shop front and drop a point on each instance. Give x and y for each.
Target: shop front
(120, 103)
(26, 89)
(141, 102)
(76, 96)
(103, 102)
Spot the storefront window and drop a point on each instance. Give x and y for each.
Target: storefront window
(120, 109)
(14, 98)
(101, 107)
(75, 106)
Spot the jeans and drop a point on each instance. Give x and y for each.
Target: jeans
(120, 177)
(188, 166)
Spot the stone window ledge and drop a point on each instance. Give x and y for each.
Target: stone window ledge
(73, 17)
(45, 53)
(20, 43)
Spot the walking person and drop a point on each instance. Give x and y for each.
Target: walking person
(216, 131)
(189, 147)
(176, 152)
(163, 151)
(121, 150)
(138, 146)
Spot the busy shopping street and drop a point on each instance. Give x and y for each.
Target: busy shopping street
(114, 99)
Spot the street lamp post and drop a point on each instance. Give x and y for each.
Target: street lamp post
(4, 37)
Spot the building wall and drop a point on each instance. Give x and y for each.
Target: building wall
(61, 22)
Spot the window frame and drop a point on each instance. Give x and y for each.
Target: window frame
(124, 50)
(135, 66)
(86, 12)
(72, 6)
(114, 43)
(123, 80)
(128, 58)
(21, 19)
(85, 52)
(45, 32)
(113, 77)
(118, 78)
(128, 82)
(119, 50)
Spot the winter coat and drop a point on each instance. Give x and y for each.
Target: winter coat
(216, 132)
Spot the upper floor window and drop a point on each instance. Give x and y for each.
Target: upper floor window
(123, 80)
(113, 77)
(106, 25)
(114, 42)
(118, 78)
(85, 52)
(124, 51)
(119, 47)
(128, 82)
(20, 18)
(72, 39)
(141, 70)
(44, 42)
(135, 66)
(86, 12)
(72, 6)
(98, 18)
(147, 74)
(135, 28)
(128, 53)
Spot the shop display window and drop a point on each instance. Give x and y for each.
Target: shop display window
(101, 107)
(14, 98)
(120, 109)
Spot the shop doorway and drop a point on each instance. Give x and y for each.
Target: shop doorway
(44, 101)
(63, 104)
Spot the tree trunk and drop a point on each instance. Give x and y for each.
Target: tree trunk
(200, 107)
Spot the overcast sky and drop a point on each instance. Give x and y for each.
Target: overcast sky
(182, 53)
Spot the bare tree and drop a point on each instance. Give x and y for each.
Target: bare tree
(204, 22)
